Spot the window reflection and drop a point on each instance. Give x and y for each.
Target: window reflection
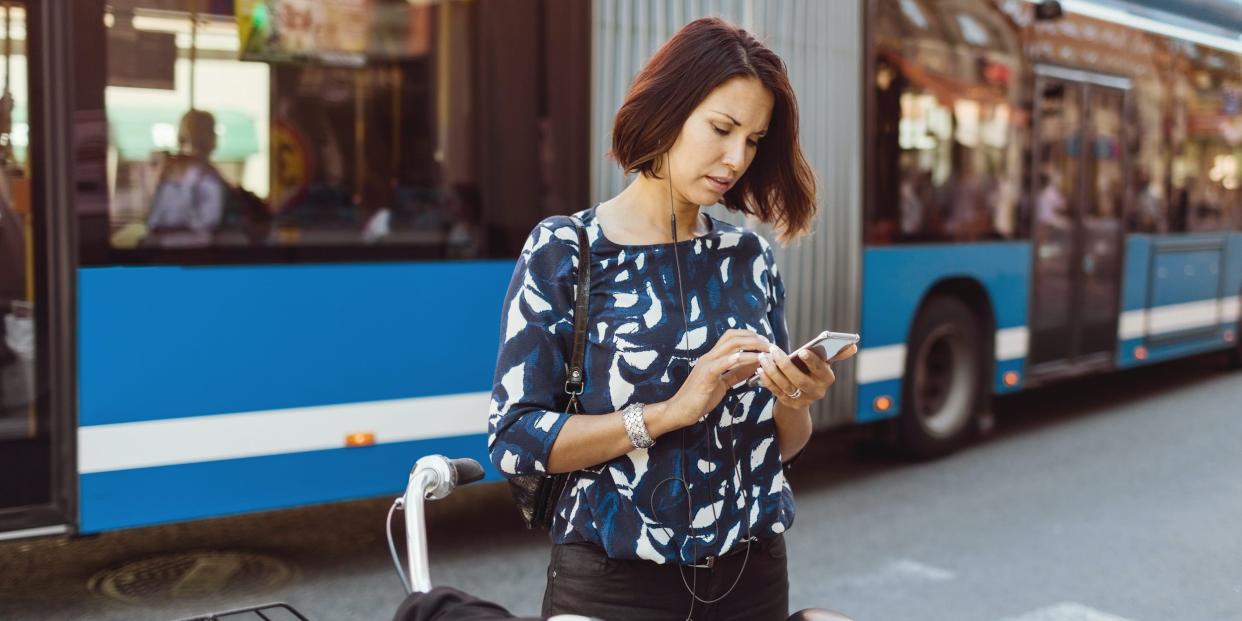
(951, 131)
(18, 416)
(1206, 143)
(434, 129)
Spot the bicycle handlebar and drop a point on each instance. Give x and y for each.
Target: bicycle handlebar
(433, 477)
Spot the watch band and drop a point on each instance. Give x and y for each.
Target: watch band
(636, 427)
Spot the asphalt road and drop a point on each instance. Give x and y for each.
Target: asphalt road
(1115, 498)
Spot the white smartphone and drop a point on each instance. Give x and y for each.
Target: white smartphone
(826, 345)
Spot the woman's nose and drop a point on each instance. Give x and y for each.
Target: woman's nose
(735, 155)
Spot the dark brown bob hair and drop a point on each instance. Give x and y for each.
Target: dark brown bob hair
(779, 186)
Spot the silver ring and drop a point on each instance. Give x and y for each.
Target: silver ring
(795, 394)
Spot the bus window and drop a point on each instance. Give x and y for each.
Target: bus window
(950, 128)
(25, 437)
(283, 130)
(1205, 175)
(1149, 155)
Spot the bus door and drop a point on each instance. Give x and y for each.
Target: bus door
(33, 459)
(1077, 232)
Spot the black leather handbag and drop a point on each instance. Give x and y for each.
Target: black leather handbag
(537, 494)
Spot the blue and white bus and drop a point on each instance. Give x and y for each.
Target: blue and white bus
(1011, 193)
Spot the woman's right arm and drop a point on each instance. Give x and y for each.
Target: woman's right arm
(586, 441)
(528, 433)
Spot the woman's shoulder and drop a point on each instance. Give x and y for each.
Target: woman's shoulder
(557, 233)
(736, 236)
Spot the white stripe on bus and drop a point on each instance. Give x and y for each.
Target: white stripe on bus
(1176, 317)
(877, 364)
(1011, 343)
(1133, 324)
(1231, 309)
(122, 446)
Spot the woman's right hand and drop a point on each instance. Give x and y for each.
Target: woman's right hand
(734, 358)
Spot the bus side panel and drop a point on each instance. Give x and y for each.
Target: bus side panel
(244, 386)
(1231, 311)
(897, 279)
(1180, 296)
(177, 492)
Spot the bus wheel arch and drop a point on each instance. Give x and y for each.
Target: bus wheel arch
(946, 388)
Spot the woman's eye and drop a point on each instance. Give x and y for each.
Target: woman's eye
(722, 132)
(753, 143)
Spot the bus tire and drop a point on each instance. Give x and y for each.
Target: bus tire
(943, 384)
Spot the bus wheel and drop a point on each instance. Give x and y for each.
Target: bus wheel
(943, 379)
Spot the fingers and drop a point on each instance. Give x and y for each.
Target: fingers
(773, 374)
(845, 354)
(819, 373)
(781, 375)
(734, 341)
(738, 363)
(739, 374)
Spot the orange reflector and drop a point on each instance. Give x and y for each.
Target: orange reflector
(1011, 378)
(363, 438)
(882, 404)
(1229, 336)
(1140, 353)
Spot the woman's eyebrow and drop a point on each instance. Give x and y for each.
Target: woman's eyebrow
(739, 123)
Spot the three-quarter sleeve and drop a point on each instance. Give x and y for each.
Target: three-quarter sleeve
(536, 332)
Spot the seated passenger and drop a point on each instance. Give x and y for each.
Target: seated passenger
(190, 194)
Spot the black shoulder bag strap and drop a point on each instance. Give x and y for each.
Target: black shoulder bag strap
(575, 379)
(550, 487)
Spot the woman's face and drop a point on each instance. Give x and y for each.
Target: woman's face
(719, 140)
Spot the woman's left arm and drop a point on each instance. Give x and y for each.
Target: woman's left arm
(793, 429)
(795, 390)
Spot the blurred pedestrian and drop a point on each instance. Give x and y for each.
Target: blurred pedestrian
(190, 195)
(678, 498)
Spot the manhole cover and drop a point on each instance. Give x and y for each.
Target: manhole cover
(192, 576)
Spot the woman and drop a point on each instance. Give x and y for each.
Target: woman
(682, 308)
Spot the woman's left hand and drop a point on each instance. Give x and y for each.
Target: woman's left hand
(794, 387)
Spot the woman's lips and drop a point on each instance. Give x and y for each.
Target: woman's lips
(720, 184)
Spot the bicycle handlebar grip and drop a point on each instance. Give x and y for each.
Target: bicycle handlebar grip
(468, 470)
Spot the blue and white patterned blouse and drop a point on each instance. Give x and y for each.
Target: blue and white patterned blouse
(635, 353)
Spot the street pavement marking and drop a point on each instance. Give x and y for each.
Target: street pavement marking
(903, 570)
(1066, 611)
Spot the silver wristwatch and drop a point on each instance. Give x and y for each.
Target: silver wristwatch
(636, 427)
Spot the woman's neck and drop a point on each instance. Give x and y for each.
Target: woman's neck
(640, 214)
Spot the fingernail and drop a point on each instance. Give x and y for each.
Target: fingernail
(805, 355)
(772, 348)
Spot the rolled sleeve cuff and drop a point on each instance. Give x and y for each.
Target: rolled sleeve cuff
(524, 448)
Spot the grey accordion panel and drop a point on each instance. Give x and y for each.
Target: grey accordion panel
(822, 45)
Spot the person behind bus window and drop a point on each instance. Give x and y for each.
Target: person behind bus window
(1051, 208)
(964, 196)
(913, 199)
(1148, 215)
(675, 473)
(465, 237)
(190, 193)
